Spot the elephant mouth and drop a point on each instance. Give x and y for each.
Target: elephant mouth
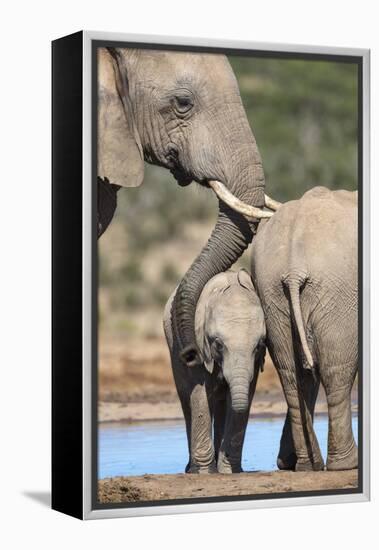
(182, 177)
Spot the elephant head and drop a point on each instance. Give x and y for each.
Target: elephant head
(183, 111)
(231, 331)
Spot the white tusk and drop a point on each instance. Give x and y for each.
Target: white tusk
(225, 195)
(272, 204)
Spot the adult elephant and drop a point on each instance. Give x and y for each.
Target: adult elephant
(305, 270)
(182, 111)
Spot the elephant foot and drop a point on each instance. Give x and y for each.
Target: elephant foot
(308, 466)
(287, 462)
(347, 462)
(197, 469)
(225, 468)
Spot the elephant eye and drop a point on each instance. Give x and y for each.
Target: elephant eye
(183, 103)
(217, 347)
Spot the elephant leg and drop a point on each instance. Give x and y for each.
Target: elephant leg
(230, 454)
(197, 410)
(342, 449)
(219, 423)
(106, 204)
(287, 454)
(187, 417)
(182, 388)
(202, 455)
(300, 411)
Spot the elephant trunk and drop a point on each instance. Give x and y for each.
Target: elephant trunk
(239, 389)
(231, 236)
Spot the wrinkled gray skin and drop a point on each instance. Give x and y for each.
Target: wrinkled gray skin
(305, 269)
(230, 333)
(182, 111)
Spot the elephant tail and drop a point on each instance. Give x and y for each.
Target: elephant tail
(293, 283)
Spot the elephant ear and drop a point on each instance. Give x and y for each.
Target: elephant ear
(245, 280)
(207, 356)
(201, 333)
(212, 290)
(119, 150)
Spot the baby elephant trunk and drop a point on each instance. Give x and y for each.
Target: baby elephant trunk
(239, 389)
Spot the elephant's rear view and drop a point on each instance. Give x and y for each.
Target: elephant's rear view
(305, 267)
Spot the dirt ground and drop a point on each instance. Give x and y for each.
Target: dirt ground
(136, 383)
(174, 486)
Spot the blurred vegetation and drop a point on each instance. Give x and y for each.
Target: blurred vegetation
(304, 117)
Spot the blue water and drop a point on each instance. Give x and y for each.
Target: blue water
(161, 447)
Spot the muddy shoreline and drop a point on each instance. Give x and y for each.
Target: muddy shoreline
(185, 486)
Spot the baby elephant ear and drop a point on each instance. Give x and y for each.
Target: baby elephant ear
(201, 336)
(244, 279)
(119, 151)
(207, 356)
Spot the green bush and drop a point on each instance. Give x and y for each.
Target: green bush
(304, 117)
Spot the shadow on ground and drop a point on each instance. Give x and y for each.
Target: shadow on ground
(42, 497)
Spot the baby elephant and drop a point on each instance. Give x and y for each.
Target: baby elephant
(230, 334)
